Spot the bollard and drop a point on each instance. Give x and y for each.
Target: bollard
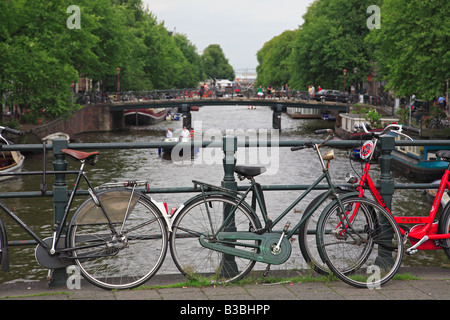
(229, 162)
(386, 191)
(59, 276)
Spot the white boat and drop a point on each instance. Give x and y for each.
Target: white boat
(10, 161)
(53, 136)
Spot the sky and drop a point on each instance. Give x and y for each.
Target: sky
(240, 27)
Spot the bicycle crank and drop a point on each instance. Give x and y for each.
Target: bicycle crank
(269, 248)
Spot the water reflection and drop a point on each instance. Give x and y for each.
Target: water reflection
(146, 164)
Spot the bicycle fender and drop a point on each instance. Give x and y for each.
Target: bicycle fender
(212, 193)
(341, 196)
(4, 253)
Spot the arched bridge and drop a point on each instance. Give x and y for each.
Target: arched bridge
(184, 106)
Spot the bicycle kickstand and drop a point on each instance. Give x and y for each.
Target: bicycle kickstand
(266, 272)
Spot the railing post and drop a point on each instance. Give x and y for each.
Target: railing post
(59, 276)
(276, 118)
(229, 162)
(385, 160)
(384, 257)
(187, 117)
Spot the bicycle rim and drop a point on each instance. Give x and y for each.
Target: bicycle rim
(364, 251)
(204, 218)
(124, 261)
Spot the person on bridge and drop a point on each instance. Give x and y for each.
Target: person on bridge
(269, 91)
(260, 92)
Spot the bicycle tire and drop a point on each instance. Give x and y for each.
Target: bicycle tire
(444, 228)
(369, 252)
(307, 237)
(197, 262)
(122, 262)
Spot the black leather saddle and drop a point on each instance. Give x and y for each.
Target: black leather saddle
(249, 172)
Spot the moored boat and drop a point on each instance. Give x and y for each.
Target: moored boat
(418, 162)
(10, 161)
(140, 117)
(345, 129)
(56, 135)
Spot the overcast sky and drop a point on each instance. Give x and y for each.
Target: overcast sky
(240, 27)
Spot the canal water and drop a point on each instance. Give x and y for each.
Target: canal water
(210, 123)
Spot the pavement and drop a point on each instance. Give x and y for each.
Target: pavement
(433, 283)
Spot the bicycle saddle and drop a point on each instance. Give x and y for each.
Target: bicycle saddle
(249, 171)
(444, 154)
(80, 155)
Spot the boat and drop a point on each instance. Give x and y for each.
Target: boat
(173, 116)
(345, 128)
(418, 162)
(10, 162)
(167, 152)
(142, 117)
(328, 117)
(57, 135)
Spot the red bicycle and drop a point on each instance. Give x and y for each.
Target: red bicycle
(339, 239)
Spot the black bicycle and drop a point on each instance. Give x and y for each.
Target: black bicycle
(117, 237)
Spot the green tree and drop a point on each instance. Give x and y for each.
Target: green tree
(215, 64)
(412, 47)
(275, 60)
(330, 40)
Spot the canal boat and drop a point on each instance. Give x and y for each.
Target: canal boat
(418, 162)
(142, 117)
(345, 128)
(168, 152)
(57, 135)
(328, 117)
(10, 161)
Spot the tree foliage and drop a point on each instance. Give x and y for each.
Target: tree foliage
(330, 40)
(275, 62)
(412, 47)
(41, 56)
(410, 51)
(215, 64)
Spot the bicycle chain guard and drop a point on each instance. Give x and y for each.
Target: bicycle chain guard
(226, 242)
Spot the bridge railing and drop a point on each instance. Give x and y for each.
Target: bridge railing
(229, 145)
(188, 93)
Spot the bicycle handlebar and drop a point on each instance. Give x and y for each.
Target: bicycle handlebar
(12, 131)
(309, 144)
(397, 128)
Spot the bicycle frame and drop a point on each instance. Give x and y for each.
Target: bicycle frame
(58, 232)
(259, 198)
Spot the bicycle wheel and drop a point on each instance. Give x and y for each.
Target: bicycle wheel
(124, 260)
(204, 217)
(307, 237)
(444, 228)
(363, 245)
